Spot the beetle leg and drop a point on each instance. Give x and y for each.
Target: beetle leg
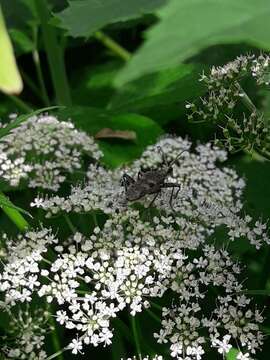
(140, 174)
(173, 186)
(126, 181)
(153, 200)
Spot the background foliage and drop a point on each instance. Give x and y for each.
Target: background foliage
(132, 65)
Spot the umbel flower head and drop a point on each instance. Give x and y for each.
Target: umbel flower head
(138, 255)
(26, 333)
(224, 94)
(44, 150)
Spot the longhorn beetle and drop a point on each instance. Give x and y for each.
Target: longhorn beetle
(150, 182)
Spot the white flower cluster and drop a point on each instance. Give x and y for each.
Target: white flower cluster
(209, 195)
(138, 255)
(223, 94)
(44, 150)
(223, 85)
(186, 326)
(20, 277)
(121, 267)
(101, 192)
(26, 334)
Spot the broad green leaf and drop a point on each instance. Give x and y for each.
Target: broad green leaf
(10, 79)
(160, 95)
(188, 26)
(116, 152)
(84, 17)
(93, 86)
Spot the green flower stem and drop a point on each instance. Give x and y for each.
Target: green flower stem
(158, 307)
(15, 216)
(112, 45)
(57, 354)
(20, 103)
(55, 55)
(70, 224)
(246, 99)
(153, 316)
(136, 336)
(263, 153)
(44, 94)
(27, 79)
(55, 339)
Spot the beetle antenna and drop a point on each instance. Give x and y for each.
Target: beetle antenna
(174, 161)
(164, 160)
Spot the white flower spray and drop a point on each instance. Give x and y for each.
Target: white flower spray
(139, 254)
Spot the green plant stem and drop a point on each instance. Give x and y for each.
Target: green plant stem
(31, 84)
(263, 153)
(158, 307)
(55, 55)
(15, 216)
(55, 339)
(20, 103)
(94, 216)
(246, 99)
(153, 316)
(136, 336)
(112, 45)
(70, 225)
(44, 94)
(57, 354)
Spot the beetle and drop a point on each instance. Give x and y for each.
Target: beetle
(150, 182)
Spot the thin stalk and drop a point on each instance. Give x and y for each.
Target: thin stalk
(55, 339)
(55, 55)
(246, 99)
(15, 216)
(20, 103)
(44, 94)
(264, 154)
(136, 336)
(58, 353)
(94, 216)
(31, 84)
(153, 316)
(156, 305)
(112, 45)
(70, 225)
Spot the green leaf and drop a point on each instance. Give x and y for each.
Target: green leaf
(161, 95)
(84, 17)
(188, 26)
(5, 202)
(92, 86)
(116, 152)
(10, 79)
(21, 22)
(232, 354)
(22, 42)
(14, 212)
